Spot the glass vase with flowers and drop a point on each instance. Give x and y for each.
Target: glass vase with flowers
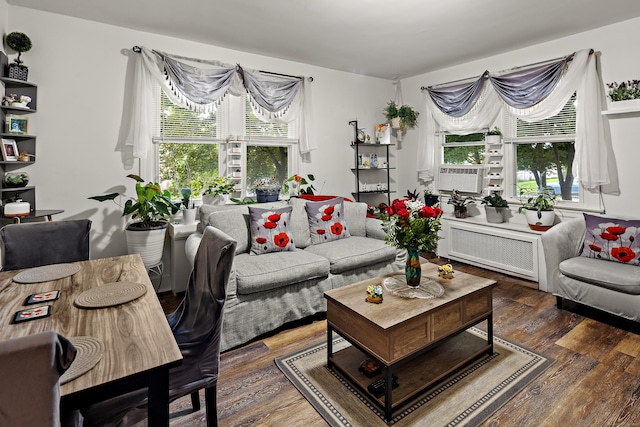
(410, 224)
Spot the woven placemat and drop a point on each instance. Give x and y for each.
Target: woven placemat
(110, 294)
(89, 354)
(46, 273)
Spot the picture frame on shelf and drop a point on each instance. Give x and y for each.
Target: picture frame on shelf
(9, 150)
(383, 133)
(17, 124)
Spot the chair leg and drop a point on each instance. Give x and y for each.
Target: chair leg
(211, 406)
(195, 401)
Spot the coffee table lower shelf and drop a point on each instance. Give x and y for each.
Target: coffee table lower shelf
(416, 375)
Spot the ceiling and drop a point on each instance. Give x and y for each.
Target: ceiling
(387, 39)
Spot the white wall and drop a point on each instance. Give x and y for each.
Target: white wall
(80, 70)
(4, 21)
(619, 61)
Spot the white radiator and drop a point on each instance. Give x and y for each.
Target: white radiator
(509, 252)
(464, 178)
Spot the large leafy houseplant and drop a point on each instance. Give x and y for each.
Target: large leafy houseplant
(407, 116)
(151, 207)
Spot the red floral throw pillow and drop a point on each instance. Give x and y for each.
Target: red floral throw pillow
(611, 239)
(326, 220)
(270, 230)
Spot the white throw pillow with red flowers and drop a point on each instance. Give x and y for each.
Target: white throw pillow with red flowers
(270, 230)
(327, 221)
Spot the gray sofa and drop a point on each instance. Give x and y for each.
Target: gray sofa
(268, 290)
(609, 286)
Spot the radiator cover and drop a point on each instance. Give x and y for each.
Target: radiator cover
(510, 252)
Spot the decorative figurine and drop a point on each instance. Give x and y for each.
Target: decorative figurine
(374, 294)
(445, 271)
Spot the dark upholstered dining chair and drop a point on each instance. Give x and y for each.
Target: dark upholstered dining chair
(34, 244)
(30, 368)
(197, 328)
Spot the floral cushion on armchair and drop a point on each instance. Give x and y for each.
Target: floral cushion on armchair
(611, 239)
(327, 221)
(270, 230)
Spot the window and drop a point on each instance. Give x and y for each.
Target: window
(190, 150)
(464, 149)
(544, 153)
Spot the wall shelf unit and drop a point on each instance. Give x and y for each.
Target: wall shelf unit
(494, 159)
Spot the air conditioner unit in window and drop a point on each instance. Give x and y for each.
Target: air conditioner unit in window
(464, 178)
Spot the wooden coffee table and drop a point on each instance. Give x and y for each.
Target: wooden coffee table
(421, 341)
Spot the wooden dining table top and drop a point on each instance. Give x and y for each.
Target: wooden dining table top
(136, 336)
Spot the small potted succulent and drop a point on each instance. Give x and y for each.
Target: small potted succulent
(495, 207)
(460, 203)
(19, 42)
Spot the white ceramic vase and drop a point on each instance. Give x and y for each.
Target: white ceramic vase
(149, 243)
(540, 224)
(189, 216)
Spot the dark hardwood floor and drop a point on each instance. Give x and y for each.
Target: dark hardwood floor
(595, 380)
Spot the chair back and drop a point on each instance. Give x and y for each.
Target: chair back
(30, 368)
(197, 322)
(35, 244)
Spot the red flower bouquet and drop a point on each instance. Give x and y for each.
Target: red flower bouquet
(410, 224)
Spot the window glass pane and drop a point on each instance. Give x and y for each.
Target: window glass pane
(547, 165)
(202, 161)
(464, 149)
(266, 162)
(182, 122)
(256, 127)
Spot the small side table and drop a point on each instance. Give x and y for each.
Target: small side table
(155, 273)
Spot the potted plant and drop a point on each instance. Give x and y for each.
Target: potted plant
(495, 206)
(459, 203)
(294, 185)
(430, 199)
(494, 136)
(538, 209)
(19, 42)
(623, 94)
(145, 236)
(215, 192)
(188, 208)
(401, 117)
(267, 189)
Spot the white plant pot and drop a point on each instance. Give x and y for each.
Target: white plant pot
(189, 216)
(395, 123)
(208, 199)
(494, 215)
(149, 243)
(493, 139)
(543, 223)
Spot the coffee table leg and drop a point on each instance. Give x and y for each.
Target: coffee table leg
(329, 345)
(490, 332)
(388, 388)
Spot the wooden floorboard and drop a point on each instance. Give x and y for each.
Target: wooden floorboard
(595, 380)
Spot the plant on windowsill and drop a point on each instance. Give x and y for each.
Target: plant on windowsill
(624, 96)
(149, 211)
(538, 209)
(494, 136)
(215, 191)
(495, 207)
(295, 185)
(267, 189)
(430, 199)
(460, 203)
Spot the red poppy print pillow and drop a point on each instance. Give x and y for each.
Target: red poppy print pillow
(611, 239)
(270, 230)
(326, 220)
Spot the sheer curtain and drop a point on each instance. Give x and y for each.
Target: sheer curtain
(531, 94)
(201, 85)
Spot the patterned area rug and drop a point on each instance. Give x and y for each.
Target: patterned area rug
(465, 399)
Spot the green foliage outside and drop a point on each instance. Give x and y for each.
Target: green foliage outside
(467, 154)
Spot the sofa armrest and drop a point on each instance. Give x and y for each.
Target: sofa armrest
(559, 243)
(373, 227)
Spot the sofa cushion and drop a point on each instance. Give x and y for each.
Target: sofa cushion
(277, 269)
(621, 278)
(299, 222)
(354, 252)
(235, 223)
(355, 214)
(326, 221)
(611, 239)
(270, 230)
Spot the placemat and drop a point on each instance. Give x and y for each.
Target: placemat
(46, 273)
(89, 353)
(110, 294)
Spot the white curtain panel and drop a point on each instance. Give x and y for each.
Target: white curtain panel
(580, 76)
(200, 85)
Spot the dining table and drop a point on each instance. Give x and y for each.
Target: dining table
(138, 346)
